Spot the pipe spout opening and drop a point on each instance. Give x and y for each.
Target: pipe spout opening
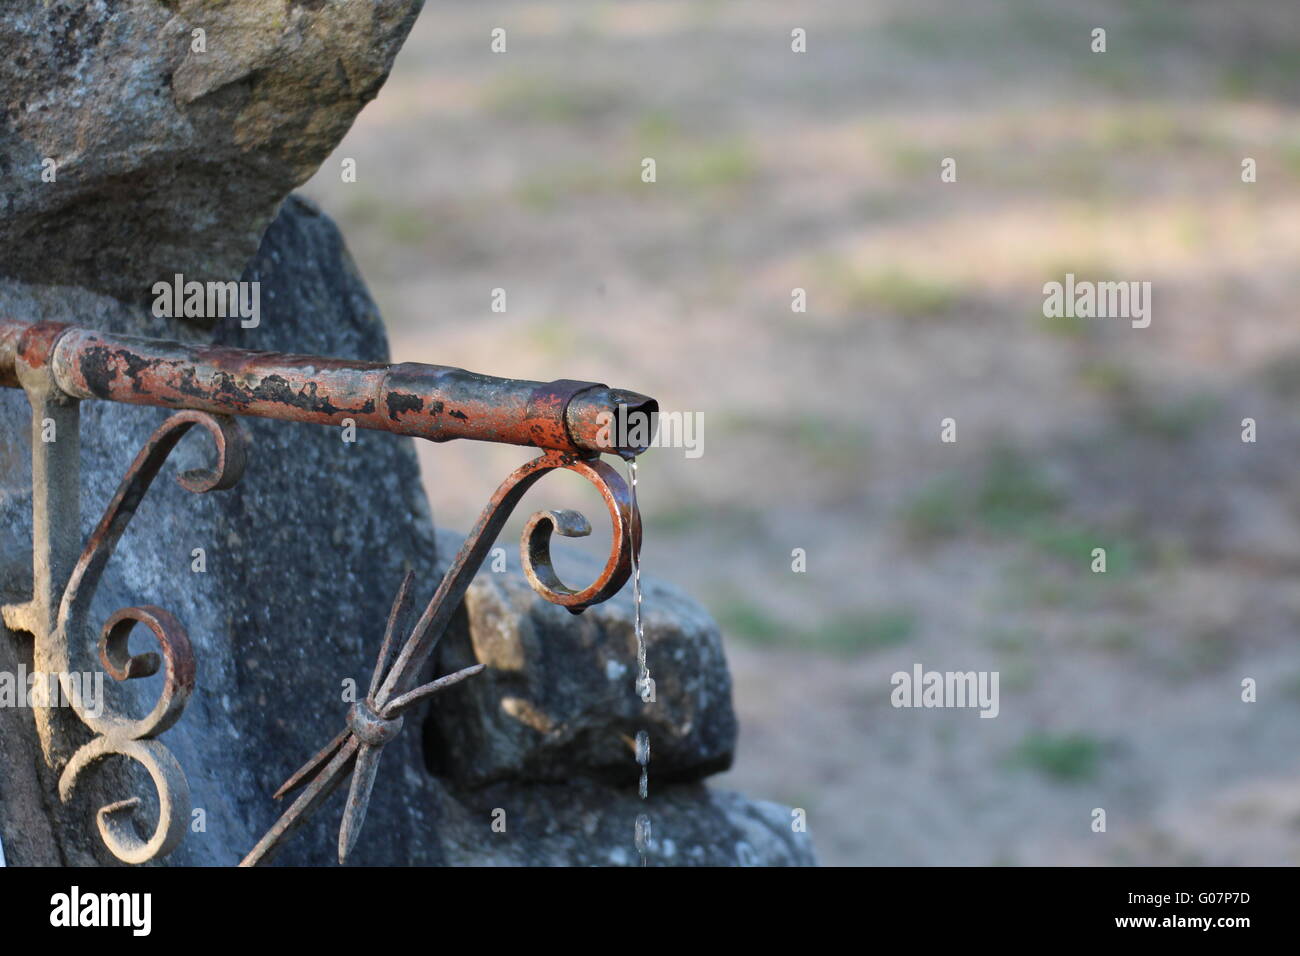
(613, 421)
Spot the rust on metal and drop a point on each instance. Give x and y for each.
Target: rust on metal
(116, 733)
(436, 402)
(34, 344)
(10, 332)
(59, 365)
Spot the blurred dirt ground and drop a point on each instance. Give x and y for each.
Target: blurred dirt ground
(820, 170)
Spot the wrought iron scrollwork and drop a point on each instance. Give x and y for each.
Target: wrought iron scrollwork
(117, 734)
(59, 366)
(535, 543)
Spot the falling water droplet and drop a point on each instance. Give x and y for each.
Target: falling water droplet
(644, 836)
(643, 670)
(643, 758)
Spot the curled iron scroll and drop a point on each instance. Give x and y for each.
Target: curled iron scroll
(535, 552)
(119, 734)
(535, 543)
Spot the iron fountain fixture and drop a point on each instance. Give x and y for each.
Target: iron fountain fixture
(58, 366)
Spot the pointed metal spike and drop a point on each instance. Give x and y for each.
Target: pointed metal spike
(398, 623)
(317, 790)
(312, 766)
(354, 813)
(399, 704)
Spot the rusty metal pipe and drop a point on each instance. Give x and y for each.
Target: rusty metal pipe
(436, 402)
(9, 334)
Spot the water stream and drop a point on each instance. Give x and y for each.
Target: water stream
(642, 687)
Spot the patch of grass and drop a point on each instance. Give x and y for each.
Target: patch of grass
(826, 444)
(1112, 71)
(1084, 268)
(878, 205)
(1057, 571)
(545, 190)
(1010, 640)
(1014, 493)
(711, 169)
(550, 99)
(554, 336)
(924, 35)
(1116, 638)
(913, 160)
(1004, 30)
(903, 293)
(1073, 544)
(1107, 378)
(656, 128)
(1172, 421)
(823, 442)
(405, 224)
(1291, 157)
(749, 621)
(1207, 650)
(1065, 758)
(1195, 230)
(676, 520)
(847, 633)
(395, 221)
(863, 631)
(1017, 674)
(1064, 326)
(1013, 499)
(1281, 376)
(538, 193)
(719, 166)
(726, 521)
(1147, 129)
(936, 513)
(1082, 173)
(1238, 83)
(1265, 74)
(1030, 585)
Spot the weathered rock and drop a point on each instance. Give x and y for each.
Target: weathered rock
(166, 158)
(303, 557)
(589, 824)
(558, 699)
